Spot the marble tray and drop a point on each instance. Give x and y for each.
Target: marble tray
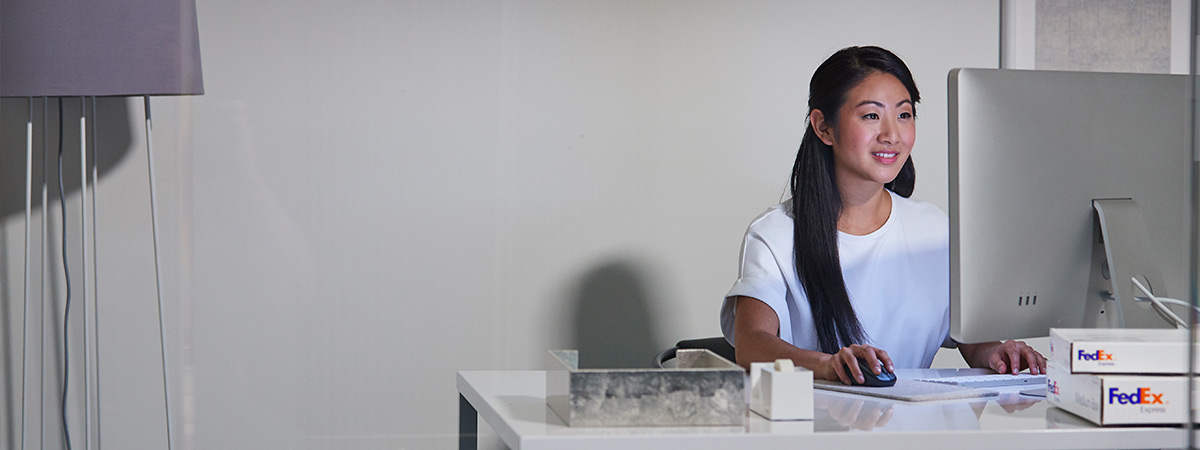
(703, 389)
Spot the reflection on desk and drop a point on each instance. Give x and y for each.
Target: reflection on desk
(1009, 410)
(844, 412)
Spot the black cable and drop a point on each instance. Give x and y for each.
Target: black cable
(62, 200)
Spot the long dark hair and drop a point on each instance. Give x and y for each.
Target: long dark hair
(816, 201)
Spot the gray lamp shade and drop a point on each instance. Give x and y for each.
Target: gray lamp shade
(52, 48)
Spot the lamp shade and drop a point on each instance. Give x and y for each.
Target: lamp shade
(66, 48)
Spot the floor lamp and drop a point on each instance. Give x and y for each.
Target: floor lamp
(88, 49)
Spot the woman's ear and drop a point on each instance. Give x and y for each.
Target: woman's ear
(816, 118)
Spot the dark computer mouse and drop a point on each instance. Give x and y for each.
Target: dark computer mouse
(884, 379)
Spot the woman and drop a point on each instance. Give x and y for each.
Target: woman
(849, 265)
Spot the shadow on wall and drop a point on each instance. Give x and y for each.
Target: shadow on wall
(113, 137)
(114, 131)
(613, 322)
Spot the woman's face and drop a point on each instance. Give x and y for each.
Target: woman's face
(874, 133)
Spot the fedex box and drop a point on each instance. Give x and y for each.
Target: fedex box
(1127, 351)
(1119, 399)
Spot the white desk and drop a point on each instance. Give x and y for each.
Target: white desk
(513, 403)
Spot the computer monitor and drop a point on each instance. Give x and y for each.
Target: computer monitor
(1063, 187)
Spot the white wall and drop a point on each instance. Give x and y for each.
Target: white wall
(373, 195)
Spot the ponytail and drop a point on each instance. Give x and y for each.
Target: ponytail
(816, 204)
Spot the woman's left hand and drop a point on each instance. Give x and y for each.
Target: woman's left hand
(1015, 356)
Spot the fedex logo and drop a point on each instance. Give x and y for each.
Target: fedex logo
(1052, 387)
(1099, 355)
(1142, 396)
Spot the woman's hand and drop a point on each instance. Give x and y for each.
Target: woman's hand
(843, 365)
(1008, 357)
(1015, 356)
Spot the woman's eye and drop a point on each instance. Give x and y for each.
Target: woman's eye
(871, 116)
(905, 115)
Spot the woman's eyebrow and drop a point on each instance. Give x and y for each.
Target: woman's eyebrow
(880, 104)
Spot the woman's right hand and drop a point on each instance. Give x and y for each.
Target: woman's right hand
(843, 365)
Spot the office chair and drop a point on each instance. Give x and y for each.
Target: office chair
(721, 347)
(716, 345)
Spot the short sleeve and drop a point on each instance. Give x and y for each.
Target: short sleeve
(760, 276)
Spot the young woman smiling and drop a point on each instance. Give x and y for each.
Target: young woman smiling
(850, 265)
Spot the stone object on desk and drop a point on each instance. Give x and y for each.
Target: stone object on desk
(780, 391)
(703, 389)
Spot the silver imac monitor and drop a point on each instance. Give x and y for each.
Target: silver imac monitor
(1064, 186)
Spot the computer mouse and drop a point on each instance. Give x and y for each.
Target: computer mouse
(883, 379)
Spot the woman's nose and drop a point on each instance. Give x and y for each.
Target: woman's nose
(888, 135)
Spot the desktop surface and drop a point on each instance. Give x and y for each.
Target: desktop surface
(513, 404)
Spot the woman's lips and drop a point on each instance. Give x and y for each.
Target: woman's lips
(885, 157)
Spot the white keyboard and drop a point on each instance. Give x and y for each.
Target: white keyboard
(994, 380)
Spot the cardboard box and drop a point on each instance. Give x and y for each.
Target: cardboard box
(1119, 399)
(1130, 351)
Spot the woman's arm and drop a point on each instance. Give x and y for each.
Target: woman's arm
(756, 335)
(1010, 356)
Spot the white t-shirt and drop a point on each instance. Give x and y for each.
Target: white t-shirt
(898, 278)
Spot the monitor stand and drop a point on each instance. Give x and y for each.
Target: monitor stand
(1121, 251)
